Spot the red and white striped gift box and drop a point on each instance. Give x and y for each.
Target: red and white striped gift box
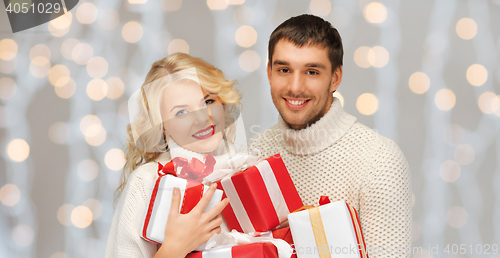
(255, 250)
(261, 197)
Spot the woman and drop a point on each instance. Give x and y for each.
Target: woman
(185, 108)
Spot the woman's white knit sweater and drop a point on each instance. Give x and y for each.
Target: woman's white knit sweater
(345, 160)
(124, 238)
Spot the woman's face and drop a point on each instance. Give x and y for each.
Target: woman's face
(192, 117)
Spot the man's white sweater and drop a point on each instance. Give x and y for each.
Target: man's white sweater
(345, 160)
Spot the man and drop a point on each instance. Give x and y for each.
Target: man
(325, 150)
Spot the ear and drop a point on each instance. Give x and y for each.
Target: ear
(336, 79)
(269, 72)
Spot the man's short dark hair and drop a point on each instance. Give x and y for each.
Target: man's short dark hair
(309, 29)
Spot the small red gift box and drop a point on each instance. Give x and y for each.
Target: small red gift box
(261, 197)
(280, 233)
(255, 250)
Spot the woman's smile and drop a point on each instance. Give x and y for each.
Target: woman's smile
(205, 133)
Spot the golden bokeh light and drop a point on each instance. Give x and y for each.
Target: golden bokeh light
(361, 57)
(67, 48)
(466, 28)
(477, 75)
(171, 5)
(40, 67)
(86, 13)
(115, 87)
(57, 32)
(217, 4)
(67, 90)
(59, 132)
(464, 154)
(375, 12)
(7, 88)
(87, 121)
(108, 19)
(488, 102)
(114, 159)
(339, 96)
(95, 207)
(419, 83)
(81, 217)
(450, 171)
(235, 2)
(244, 15)
(41, 50)
(97, 67)
(445, 99)
(82, 53)
(62, 22)
(249, 61)
(367, 104)
(88, 170)
(246, 36)
(64, 214)
(59, 75)
(178, 45)
(95, 135)
(10, 195)
(97, 89)
(8, 49)
(320, 7)
(23, 235)
(18, 150)
(132, 31)
(378, 56)
(457, 217)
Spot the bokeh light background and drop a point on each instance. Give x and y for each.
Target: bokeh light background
(423, 73)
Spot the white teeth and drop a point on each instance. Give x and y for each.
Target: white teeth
(296, 102)
(203, 133)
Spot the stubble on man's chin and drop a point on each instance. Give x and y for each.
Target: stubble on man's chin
(310, 119)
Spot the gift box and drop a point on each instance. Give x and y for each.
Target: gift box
(191, 191)
(254, 250)
(280, 233)
(260, 197)
(330, 230)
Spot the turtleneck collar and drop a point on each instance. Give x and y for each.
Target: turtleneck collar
(320, 135)
(175, 150)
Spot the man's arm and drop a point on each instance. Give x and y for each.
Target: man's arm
(385, 204)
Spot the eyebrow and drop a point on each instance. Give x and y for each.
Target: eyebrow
(181, 106)
(316, 65)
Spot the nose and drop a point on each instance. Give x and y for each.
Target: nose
(296, 85)
(201, 116)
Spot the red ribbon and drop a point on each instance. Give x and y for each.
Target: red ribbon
(193, 171)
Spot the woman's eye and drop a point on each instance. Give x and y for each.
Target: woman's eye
(180, 112)
(209, 101)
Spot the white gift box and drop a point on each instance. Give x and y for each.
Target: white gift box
(330, 230)
(153, 228)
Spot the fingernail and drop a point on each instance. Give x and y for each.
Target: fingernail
(176, 190)
(214, 185)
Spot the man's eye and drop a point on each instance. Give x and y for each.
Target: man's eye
(181, 112)
(284, 70)
(312, 72)
(209, 101)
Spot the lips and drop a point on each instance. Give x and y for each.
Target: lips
(205, 133)
(296, 103)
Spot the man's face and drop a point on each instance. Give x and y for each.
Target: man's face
(302, 82)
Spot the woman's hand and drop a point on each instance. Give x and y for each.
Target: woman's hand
(186, 232)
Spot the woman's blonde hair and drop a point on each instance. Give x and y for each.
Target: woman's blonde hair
(145, 141)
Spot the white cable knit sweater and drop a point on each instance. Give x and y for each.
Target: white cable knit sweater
(345, 160)
(124, 238)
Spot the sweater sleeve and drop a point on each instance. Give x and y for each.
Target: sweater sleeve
(386, 212)
(124, 238)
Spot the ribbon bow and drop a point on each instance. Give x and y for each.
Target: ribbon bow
(239, 162)
(194, 170)
(322, 201)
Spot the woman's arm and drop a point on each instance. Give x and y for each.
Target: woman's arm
(186, 232)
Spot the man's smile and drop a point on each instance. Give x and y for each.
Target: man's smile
(296, 103)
